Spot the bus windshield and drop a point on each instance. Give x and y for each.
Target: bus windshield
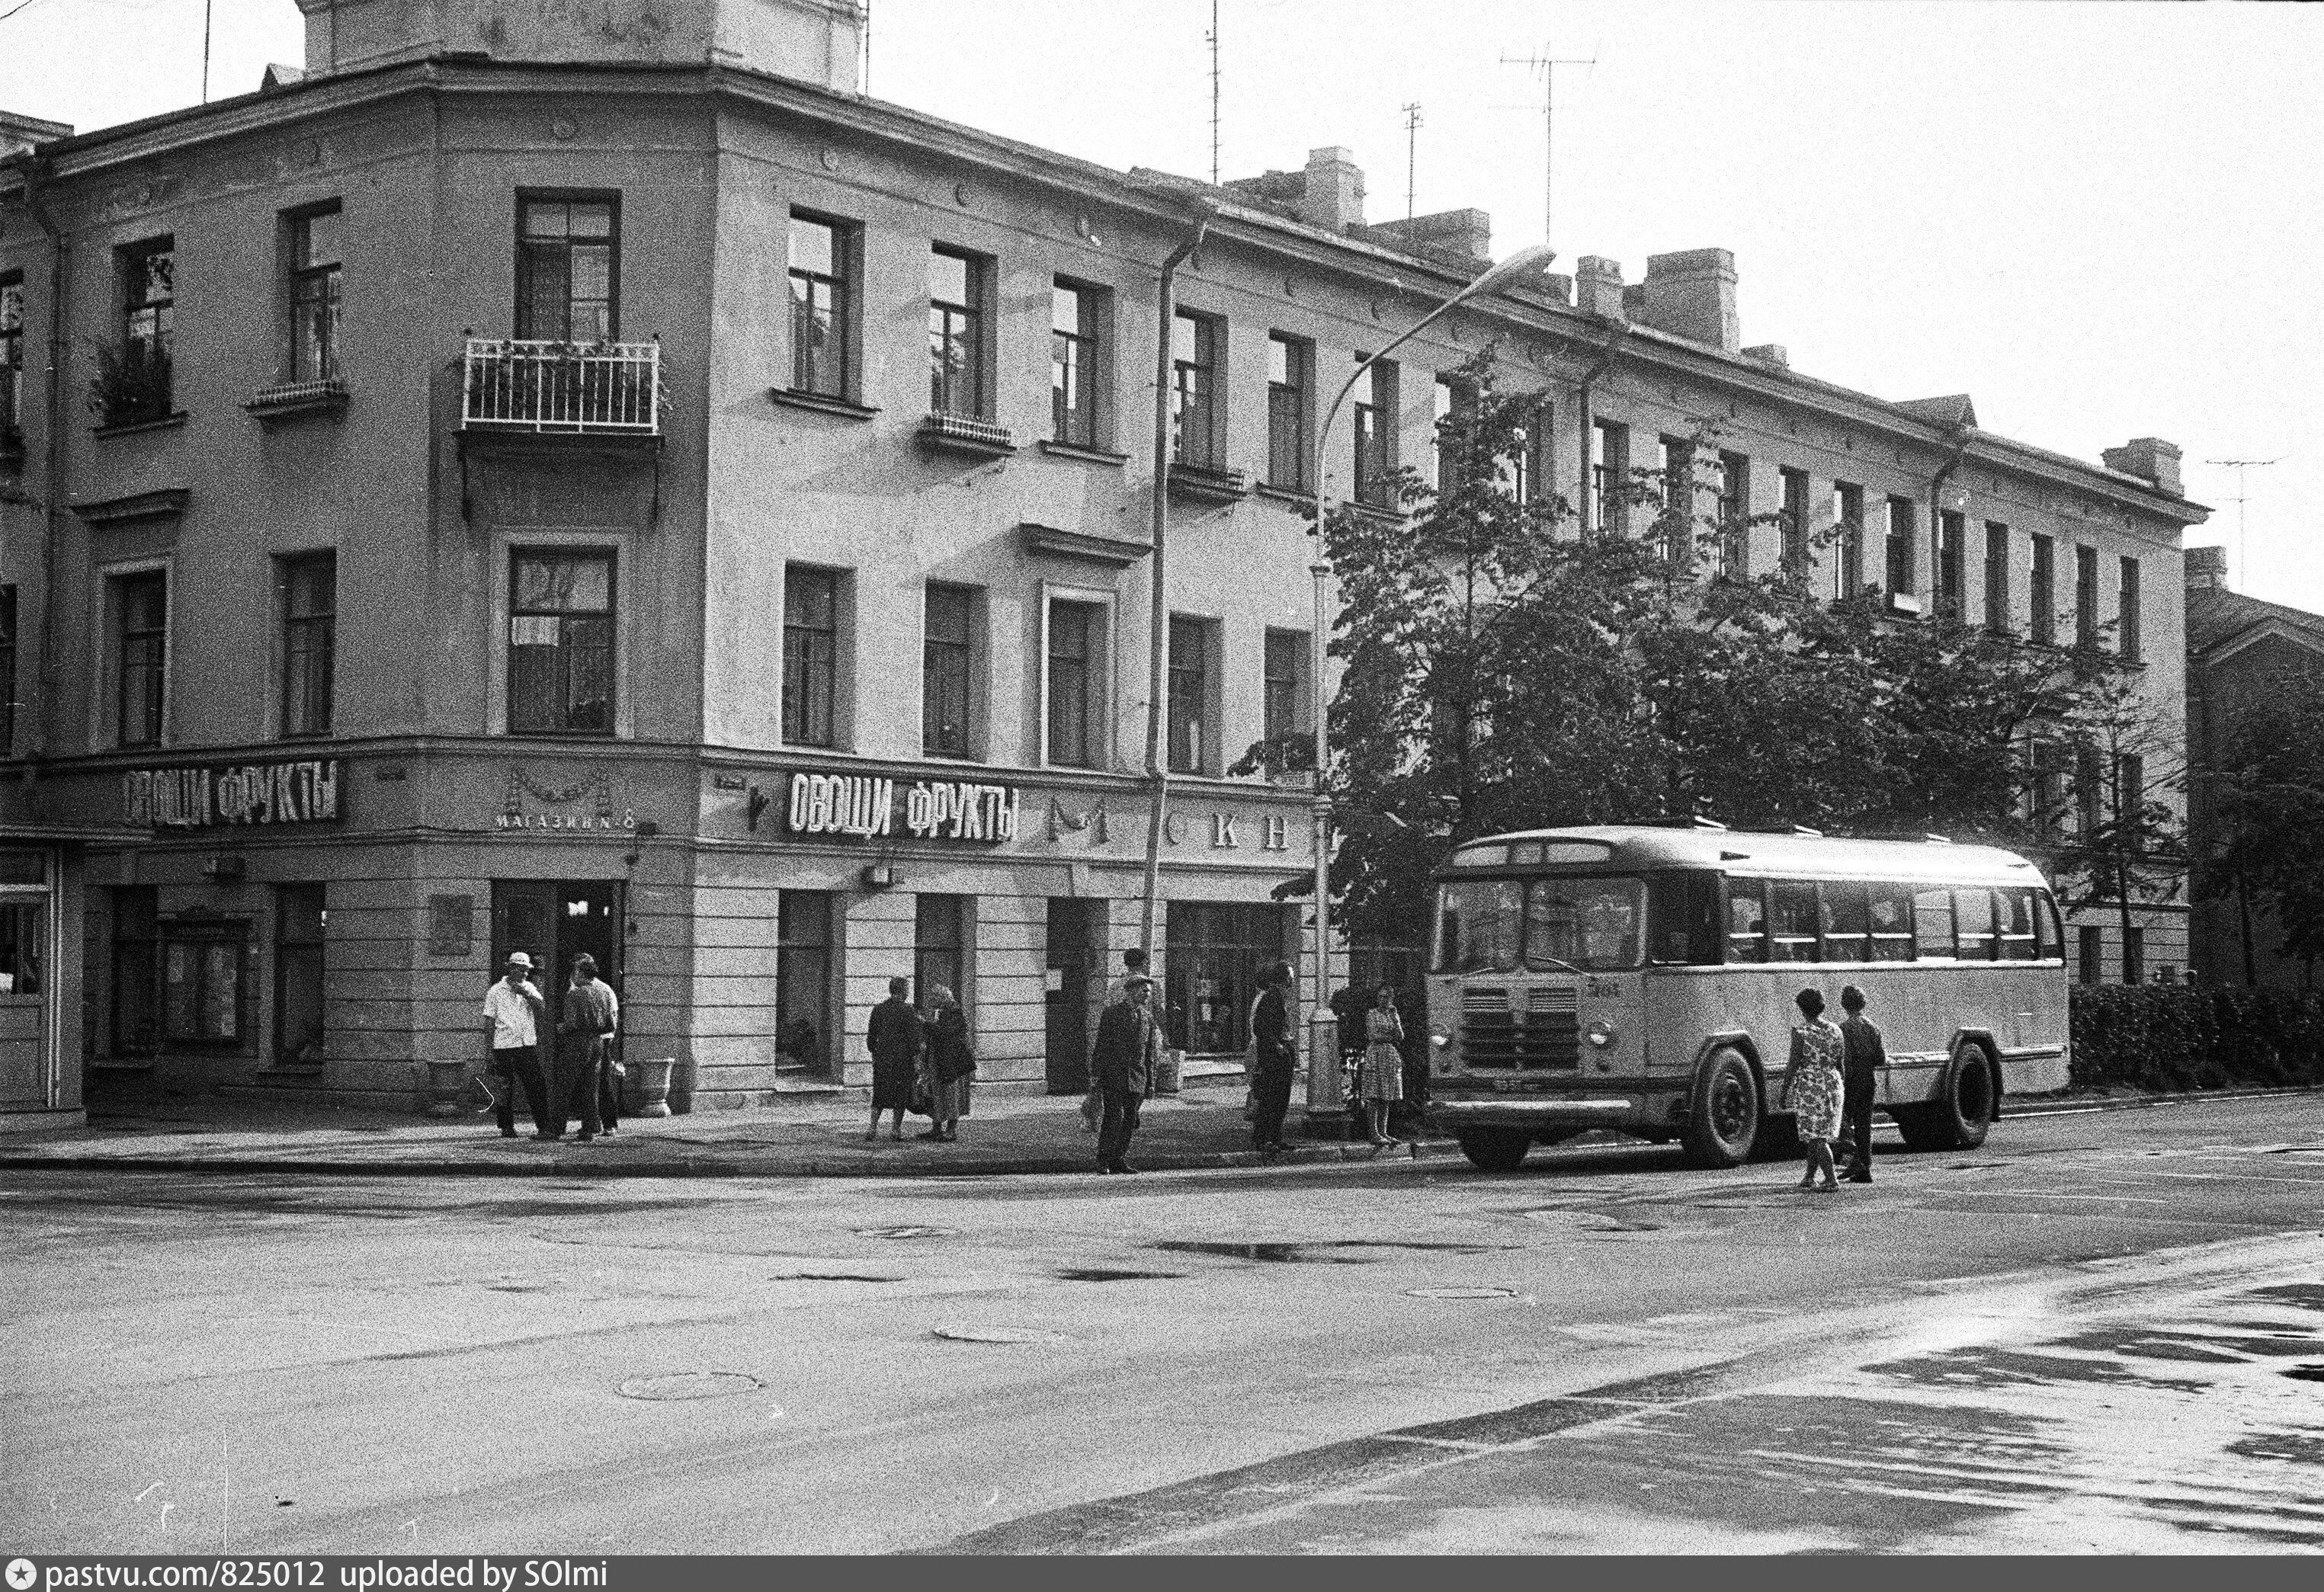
(1500, 926)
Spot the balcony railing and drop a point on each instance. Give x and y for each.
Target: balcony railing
(569, 388)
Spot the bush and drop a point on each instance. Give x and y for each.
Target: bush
(132, 384)
(2180, 1038)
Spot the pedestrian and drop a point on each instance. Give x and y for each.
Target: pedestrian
(1811, 1087)
(590, 1014)
(1382, 1082)
(1275, 1054)
(1860, 1076)
(1123, 1063)
(896, 1038)
(512, 1012)
(1133, 966)
(947, 1066)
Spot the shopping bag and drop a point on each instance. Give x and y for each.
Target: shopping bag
(1092, 1109)
(476, 1095)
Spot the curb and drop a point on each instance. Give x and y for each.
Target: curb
(2068, 1106)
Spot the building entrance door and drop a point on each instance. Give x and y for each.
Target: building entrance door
(26, 964)
(1067, 1001)
(553, 921)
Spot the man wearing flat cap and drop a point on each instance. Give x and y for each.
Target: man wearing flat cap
(512, 1011)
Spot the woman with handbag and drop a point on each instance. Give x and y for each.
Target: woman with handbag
(947, 1066)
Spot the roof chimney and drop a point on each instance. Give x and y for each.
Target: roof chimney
(19, 133)
(2207, 569)
(2150, 459)
(1334, 196)
(1598, 284)
(1691, 295)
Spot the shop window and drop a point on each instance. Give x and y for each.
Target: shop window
(560, 664)
(568, 268)
(299, 918)
(803, 979)
(179, 983)
(23, 925)
(310, 622)
(940, 947)
(1210, 971)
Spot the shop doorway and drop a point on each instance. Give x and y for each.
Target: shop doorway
(25, 965)
(1071, 960)
(553, 921)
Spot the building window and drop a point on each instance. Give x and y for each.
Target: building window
(2126, 626)
(7, 670)
(1452, 402)
(136, 1016)
(1793, 522)
(141, 606)
(1735, 515)
(299, 921)
(2089, 956)
(1951, 578)
(1290, 394)
(810, 655)
(23, 937)
(560, 663)
(1902, 529)
(2134, 955)
(2086, 596)
(1197, 433)
(315, 249)
(958, 286)
(2048, 793)
(947, 666)
(2089, 794)
(135, 381)
(1997, 577)
(1375, 462)
(2042, 600)
(1285, 686)
(568, 269)
(1677, 478)
(310, 615)
(803, 979)
(1214, 952)
(1193, 720)
(1076, 682)
(1848, 514)
(940, 947)
(1609, 475)
(1525, 475)
(822, 311)
(12, 369)
(1077, 375)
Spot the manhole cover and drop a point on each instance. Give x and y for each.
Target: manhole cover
(1462, 1292)
(1000, 1335)
(690, 1384)
(906, 1232)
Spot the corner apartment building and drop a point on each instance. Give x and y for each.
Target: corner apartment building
(515, 486)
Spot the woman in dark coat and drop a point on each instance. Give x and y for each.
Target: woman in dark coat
(947, 1067)
(895, 1040)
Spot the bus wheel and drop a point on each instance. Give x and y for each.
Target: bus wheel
(1496, 1149)
(1962, 1113)
(1724, 1122)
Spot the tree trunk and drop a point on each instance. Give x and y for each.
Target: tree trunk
(2243, 901)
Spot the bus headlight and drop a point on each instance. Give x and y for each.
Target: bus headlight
(1602, 1034)
(1440, 1039)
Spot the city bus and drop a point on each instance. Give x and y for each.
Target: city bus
(1641, 978)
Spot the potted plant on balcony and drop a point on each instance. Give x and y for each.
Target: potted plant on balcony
(132, 384)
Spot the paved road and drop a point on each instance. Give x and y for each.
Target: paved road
(2099, 1332)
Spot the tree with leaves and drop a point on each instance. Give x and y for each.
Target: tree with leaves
(2265, 810)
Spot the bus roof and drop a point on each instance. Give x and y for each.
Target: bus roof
(1632, 846)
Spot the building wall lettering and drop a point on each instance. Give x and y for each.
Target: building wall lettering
(244, 792)
(932, 809)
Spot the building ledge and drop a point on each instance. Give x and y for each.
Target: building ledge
(822, 403)
(134, 428)
(1200, 484)
(965, 433)
(1297, 496)
(1115, 552)
(166, 503)
(293, 400)
(1075, 450)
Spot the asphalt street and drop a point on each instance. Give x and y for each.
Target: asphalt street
(2099, 1333)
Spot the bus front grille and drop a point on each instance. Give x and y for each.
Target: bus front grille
(1543, 1030)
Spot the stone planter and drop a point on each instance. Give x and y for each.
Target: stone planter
(653, 1086)
(1166, 1075)
(446, 1080)
(681, 1087)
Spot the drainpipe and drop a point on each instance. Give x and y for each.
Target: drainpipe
(1962, 437)
(1585, 488)
(1157, 648)
(36, 168)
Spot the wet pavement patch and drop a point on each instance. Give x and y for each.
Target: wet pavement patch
(1982, 1366)
(2312, 1372)
(2300, 1448)
(1315, 1251)
(908, 1231)
(999, 1334)
(829, 1277)
(1099, 1274)
(689, 1384)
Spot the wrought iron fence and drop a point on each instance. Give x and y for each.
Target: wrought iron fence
(571, 387)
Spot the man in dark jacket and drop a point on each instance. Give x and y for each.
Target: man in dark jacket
(589, 1015)
(1121, 1069)
(1859, 1077)
(1275, 1053)
(895, 1039)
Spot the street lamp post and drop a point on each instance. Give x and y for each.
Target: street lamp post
(1324, 1092)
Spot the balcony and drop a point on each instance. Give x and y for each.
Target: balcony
(561, 389)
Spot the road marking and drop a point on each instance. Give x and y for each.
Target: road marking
(2039, 1194)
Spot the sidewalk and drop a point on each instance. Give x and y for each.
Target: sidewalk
(819, 1137)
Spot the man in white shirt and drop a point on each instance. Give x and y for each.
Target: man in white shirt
(512, 1010)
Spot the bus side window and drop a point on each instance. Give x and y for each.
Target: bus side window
(1933, 924)
(1746, 922)
(1891, 923)
(1685, 907)
(1974, 910)
(2017, 933)
(1791, 920)
(2049, 939)
(1846, 921)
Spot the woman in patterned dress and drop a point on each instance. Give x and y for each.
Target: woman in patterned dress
(1383, 1071)
(1814, 1086)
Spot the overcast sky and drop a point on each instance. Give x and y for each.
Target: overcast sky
(2101, 221)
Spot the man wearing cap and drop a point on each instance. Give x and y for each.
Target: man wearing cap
(583, 1033)
(1121, 1068)
(512, 1010)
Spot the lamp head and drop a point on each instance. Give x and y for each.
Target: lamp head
(1527, 262)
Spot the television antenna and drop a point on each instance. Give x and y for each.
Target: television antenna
(2239, 467)
(1411, 155)
(1213, 38)
(1545, 66)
